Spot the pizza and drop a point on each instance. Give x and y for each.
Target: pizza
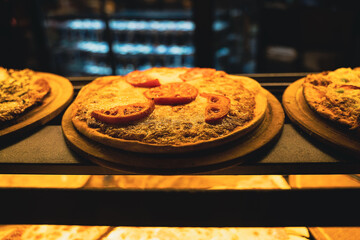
(52, 232)
(20, 90)
(69, 232)
(335, 95)
(42, 181)
(210, 182)
(168, 110)
(198, 233)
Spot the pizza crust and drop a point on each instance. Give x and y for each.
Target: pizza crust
(147, 147)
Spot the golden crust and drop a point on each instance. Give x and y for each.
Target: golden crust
(177, 120)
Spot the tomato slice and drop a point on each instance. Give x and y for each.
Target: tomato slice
(214, 113)
(124, 114)
(218, 107)
(140, 79)
(172, 94)
(195, 73)
(216, 99)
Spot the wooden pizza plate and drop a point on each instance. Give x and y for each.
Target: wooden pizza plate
(54, 103)
(228, 154)
(328, 181)
(318, 127)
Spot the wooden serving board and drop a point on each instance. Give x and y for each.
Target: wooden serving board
(318, 127)
(228, 154)
(54, 103)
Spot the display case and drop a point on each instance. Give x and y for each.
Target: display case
(236, 36)
(292, 152)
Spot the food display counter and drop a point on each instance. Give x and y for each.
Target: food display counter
(44, 151)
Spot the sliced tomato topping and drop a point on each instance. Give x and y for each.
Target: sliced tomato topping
(195, 73)
(216, 99)
(141, 79)
(218, 107)
(214, 113)
(172, 94)
(124, 114)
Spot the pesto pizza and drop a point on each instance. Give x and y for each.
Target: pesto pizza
(335, 95)
(168, 110)
(20, 90)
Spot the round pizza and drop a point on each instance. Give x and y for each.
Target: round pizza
(169, 110)
(20, 90)
(335, 95)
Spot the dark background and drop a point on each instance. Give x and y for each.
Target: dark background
(256, 36)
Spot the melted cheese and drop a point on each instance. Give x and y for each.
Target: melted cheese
(345, 76)
(166, 75)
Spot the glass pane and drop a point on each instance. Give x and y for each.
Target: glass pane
(149, 34)
(116, 37)
(236, 33)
